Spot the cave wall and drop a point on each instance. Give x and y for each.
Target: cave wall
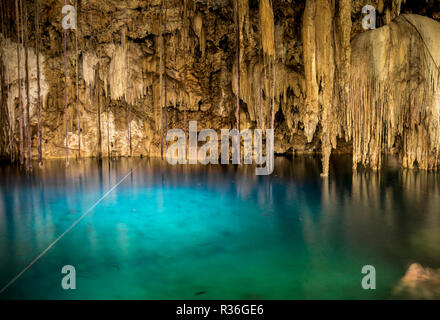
(305, 55)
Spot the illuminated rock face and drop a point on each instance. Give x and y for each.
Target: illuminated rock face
(395, 93)
(419, 283)
(334, 86)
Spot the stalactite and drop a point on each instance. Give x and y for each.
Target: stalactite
(267, 28)
(156, 88)
(323, 35)
(185, 41)
(6, 115)
(394, 104)
(161, 47)
(4, 17)
(28, 121)
(5, 9)
(78, 115)
(165, 86)
(237, 62)
(108, 129)
(6, 118)
(129, 113)
(37, 45)
(123, 85)
(200, 32)
(342, 36)
(309, 47)
(90, 62)
(128, 128)
(98, 93)
(17, 62)
(5, 143)
(260, 96)
(65, 94)
(260, 90)
(20, 102)
(2, 11)
(166, 106)
(272, 118)
(109, 153)
(325, 73)
(174, 82)
(118, 71)
(266, 90)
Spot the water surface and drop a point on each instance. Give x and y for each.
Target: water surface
(214, 232)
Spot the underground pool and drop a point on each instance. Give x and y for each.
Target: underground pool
(143, 229)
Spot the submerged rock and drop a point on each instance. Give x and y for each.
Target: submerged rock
(419, 283)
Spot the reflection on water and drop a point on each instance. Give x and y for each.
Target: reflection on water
(169, 232)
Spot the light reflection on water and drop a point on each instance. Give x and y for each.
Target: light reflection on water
(168, 232)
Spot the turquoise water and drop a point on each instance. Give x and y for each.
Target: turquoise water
(214, 232)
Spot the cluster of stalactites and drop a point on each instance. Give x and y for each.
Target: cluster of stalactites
(258, 72)
(267, 26)
(8, 58)
(395, 95)
(326, 41)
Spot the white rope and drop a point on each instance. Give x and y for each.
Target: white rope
(63, 234)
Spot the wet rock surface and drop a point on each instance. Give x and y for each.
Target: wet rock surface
(419, 283)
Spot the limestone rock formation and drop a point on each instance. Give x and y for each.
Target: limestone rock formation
(395, 93)
(419, 283)
(306, 67)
